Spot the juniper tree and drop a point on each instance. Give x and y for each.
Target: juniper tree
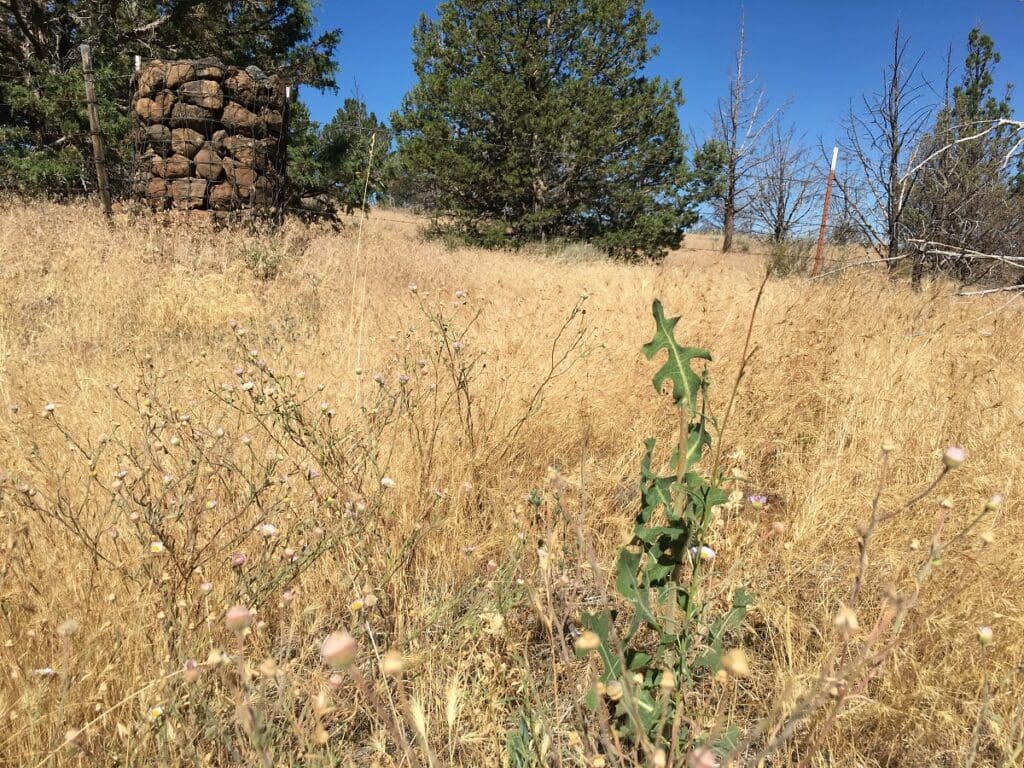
(534, 119)
(343, 163)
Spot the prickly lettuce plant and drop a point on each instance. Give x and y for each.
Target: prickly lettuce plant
(672, 641)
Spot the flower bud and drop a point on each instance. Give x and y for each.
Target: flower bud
(701, 757)
(953, 457)
(191, 671)
(339, 649)
(238, 618)
(985, 635)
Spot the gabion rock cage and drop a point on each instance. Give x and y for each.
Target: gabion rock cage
(208, 136)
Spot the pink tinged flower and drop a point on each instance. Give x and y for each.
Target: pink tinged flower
(312, 473)
(206, 587)
(985, 635)
(413, 288)
(460, 294)
(457, 345)
(994, 503)
(339, 649)
(268, 531)
(757, 501)
(403, 379)
(238, 618)
(191, 670)
(378, 378)
(701, 757)
(247, 386)
(238, 559)
(953, 457)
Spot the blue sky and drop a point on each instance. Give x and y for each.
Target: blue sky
(818, 55)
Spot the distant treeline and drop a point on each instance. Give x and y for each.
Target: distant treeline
(533, 120)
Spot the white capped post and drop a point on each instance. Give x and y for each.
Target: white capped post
(824, 213)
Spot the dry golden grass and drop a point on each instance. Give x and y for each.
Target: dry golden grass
(841, 367)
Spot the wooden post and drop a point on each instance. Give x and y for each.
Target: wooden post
(824, 213)
(94, 129)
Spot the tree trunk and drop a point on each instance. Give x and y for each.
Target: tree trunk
(917, 272)
(729, 215)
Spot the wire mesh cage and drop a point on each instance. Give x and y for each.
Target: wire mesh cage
(208, 137)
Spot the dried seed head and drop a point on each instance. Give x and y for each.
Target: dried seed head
(392, 664)
(588, 641)
(734, 661)
(846, 621)
(668, 680)
(614, 690)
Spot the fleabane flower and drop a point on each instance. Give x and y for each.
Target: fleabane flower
(704, 554)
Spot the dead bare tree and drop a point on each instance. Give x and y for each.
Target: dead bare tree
(786, 188)
(880, 141)
(737, 126)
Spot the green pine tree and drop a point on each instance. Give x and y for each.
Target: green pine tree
(963, 197)
(345, 163)
(533, 120)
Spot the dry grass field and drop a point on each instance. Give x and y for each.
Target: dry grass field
(182, 401)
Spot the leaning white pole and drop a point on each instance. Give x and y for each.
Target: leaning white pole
(824, 213)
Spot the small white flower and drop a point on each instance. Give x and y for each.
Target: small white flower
(268, 531)
(387, 482)
(706, 554)
(247, 386)
(157, 547)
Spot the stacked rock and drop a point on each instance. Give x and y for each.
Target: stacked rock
(208, 136)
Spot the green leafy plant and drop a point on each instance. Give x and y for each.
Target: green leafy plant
(673, 637)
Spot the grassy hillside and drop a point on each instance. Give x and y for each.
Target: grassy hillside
(207, 385)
